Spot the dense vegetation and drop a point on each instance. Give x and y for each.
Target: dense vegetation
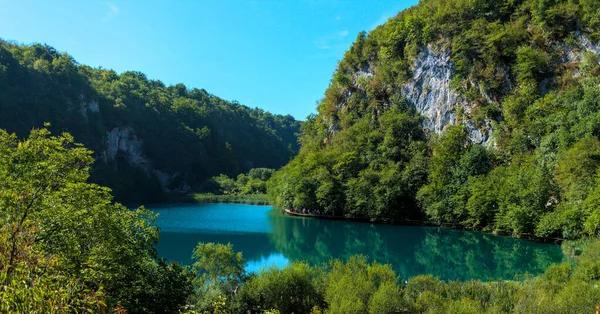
(356, 286)
(65, 247)
(253, 182)
(248, 188)
(204, 198)
(524, 68)
(172, 138)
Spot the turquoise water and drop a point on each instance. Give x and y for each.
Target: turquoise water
(266, 237)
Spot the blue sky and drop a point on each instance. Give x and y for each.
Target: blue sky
(276, 55)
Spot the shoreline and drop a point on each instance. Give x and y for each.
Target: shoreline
(411, 222)
(205, 198)
(261, 199)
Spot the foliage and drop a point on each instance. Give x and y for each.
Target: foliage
(288, 290)
(359, 287)
(369, 174)
(187, 135)
(249, 188)
(66, 246)
(37, 283)
(252, 183)
(252, 199)
(218, 264)
(453, 162)
(366, 155)
(356, 286)
(218, 270)
(107, 247)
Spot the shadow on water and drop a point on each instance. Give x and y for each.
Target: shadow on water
(266, 237)
(412, 250)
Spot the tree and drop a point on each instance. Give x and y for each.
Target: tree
(217, 270)
(38, 283)
(32, 172)
(288, 290)
(217, 265)
(576, 170)
(353, 287)
(104, 244)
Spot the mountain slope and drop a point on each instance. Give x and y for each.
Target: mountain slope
(147, 137)
(476, 113)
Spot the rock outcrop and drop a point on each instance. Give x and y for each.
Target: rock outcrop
(123, 140)
(429, 91)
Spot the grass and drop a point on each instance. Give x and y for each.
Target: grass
(202, 198)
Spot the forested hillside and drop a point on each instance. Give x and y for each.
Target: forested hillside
(484, 114)
(479, 113)
(147, 138)
(67, 247)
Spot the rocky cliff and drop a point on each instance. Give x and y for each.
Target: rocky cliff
(430, 92)
(429, 88)
(427, 111)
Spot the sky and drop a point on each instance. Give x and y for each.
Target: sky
(278, 55)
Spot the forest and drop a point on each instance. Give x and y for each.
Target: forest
(148, 139)
(67, 247)
(527, 69)
(526, 74)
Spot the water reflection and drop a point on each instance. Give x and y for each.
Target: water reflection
(412, 250)
(266, 237)
(179, 246)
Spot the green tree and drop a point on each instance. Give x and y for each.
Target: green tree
(43, 182)
(218, 264)
(288, 290)
(576, 170)
(38, 283)
(350, 287)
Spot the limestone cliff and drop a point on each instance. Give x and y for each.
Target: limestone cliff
(124, 141)
(429, 88)
(430, 92)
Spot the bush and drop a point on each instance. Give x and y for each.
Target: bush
(287, 290)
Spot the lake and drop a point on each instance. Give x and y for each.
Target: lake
(266, 237)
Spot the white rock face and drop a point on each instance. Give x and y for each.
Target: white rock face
(570, 54)
(123, 139)
(589, 45)
(429, 91)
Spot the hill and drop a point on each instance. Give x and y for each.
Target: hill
(148, 138)
(482, 114)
